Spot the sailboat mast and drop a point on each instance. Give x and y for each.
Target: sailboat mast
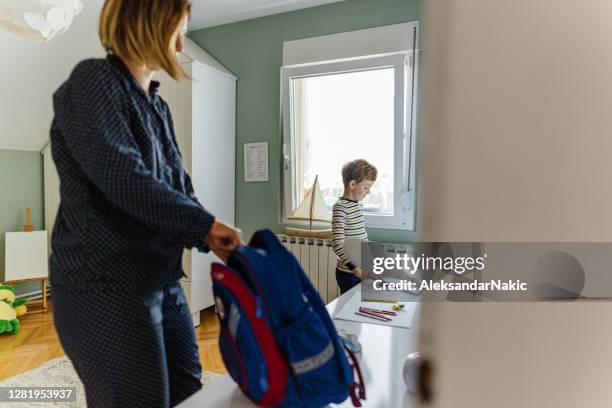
(312, 200)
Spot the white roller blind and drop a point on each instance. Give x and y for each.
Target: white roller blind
(353, 44)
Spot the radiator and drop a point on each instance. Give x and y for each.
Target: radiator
(318, 260)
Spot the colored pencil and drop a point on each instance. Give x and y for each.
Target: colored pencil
(372, 316)
(385, 312)
(386, 319)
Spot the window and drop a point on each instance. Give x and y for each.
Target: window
(338, 111)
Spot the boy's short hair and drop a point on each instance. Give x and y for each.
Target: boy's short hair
(142, 31)
(358, 170)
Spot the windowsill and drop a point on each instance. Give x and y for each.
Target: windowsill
(321, 225)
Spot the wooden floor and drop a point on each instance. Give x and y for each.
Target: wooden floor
(37, 342)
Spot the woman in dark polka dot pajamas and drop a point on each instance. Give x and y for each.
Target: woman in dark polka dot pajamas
(127, 211)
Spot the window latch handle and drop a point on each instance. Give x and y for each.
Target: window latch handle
(407, 200)
(285, 156)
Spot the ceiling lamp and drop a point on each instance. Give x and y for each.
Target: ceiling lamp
(38, 19)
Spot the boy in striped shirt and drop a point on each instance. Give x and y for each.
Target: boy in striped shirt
(358, 177)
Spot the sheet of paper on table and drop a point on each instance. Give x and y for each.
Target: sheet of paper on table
(403, 319)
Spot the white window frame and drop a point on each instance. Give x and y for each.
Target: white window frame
(405, 65)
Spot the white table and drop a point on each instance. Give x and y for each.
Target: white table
(384, 350)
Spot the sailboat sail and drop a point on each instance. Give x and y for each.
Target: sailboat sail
(312, 206)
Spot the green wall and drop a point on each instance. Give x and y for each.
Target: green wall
(21, 186)
(253, 50)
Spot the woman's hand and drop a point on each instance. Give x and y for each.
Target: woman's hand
(358, 272)
(223, 239)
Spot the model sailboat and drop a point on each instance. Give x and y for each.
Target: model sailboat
(312, 208)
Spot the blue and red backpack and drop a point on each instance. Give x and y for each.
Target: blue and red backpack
(277, 340)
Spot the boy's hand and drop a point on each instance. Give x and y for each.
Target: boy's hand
(222, 239)
(358, 272)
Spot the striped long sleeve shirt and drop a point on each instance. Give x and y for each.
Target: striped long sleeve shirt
(347, 222)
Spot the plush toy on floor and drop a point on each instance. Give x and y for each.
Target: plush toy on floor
(20, 307)
(8, 314)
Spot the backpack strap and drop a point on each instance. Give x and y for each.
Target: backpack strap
(357, 390)
(266, 240)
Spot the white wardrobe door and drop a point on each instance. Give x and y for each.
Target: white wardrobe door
(213, 161)
(52, 195)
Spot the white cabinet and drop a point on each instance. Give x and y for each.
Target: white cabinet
(52, 193)
(204, 114)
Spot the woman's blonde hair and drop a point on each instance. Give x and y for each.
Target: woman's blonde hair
(143, 32)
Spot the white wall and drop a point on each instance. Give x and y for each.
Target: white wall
(516, 145)
(31, 71)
